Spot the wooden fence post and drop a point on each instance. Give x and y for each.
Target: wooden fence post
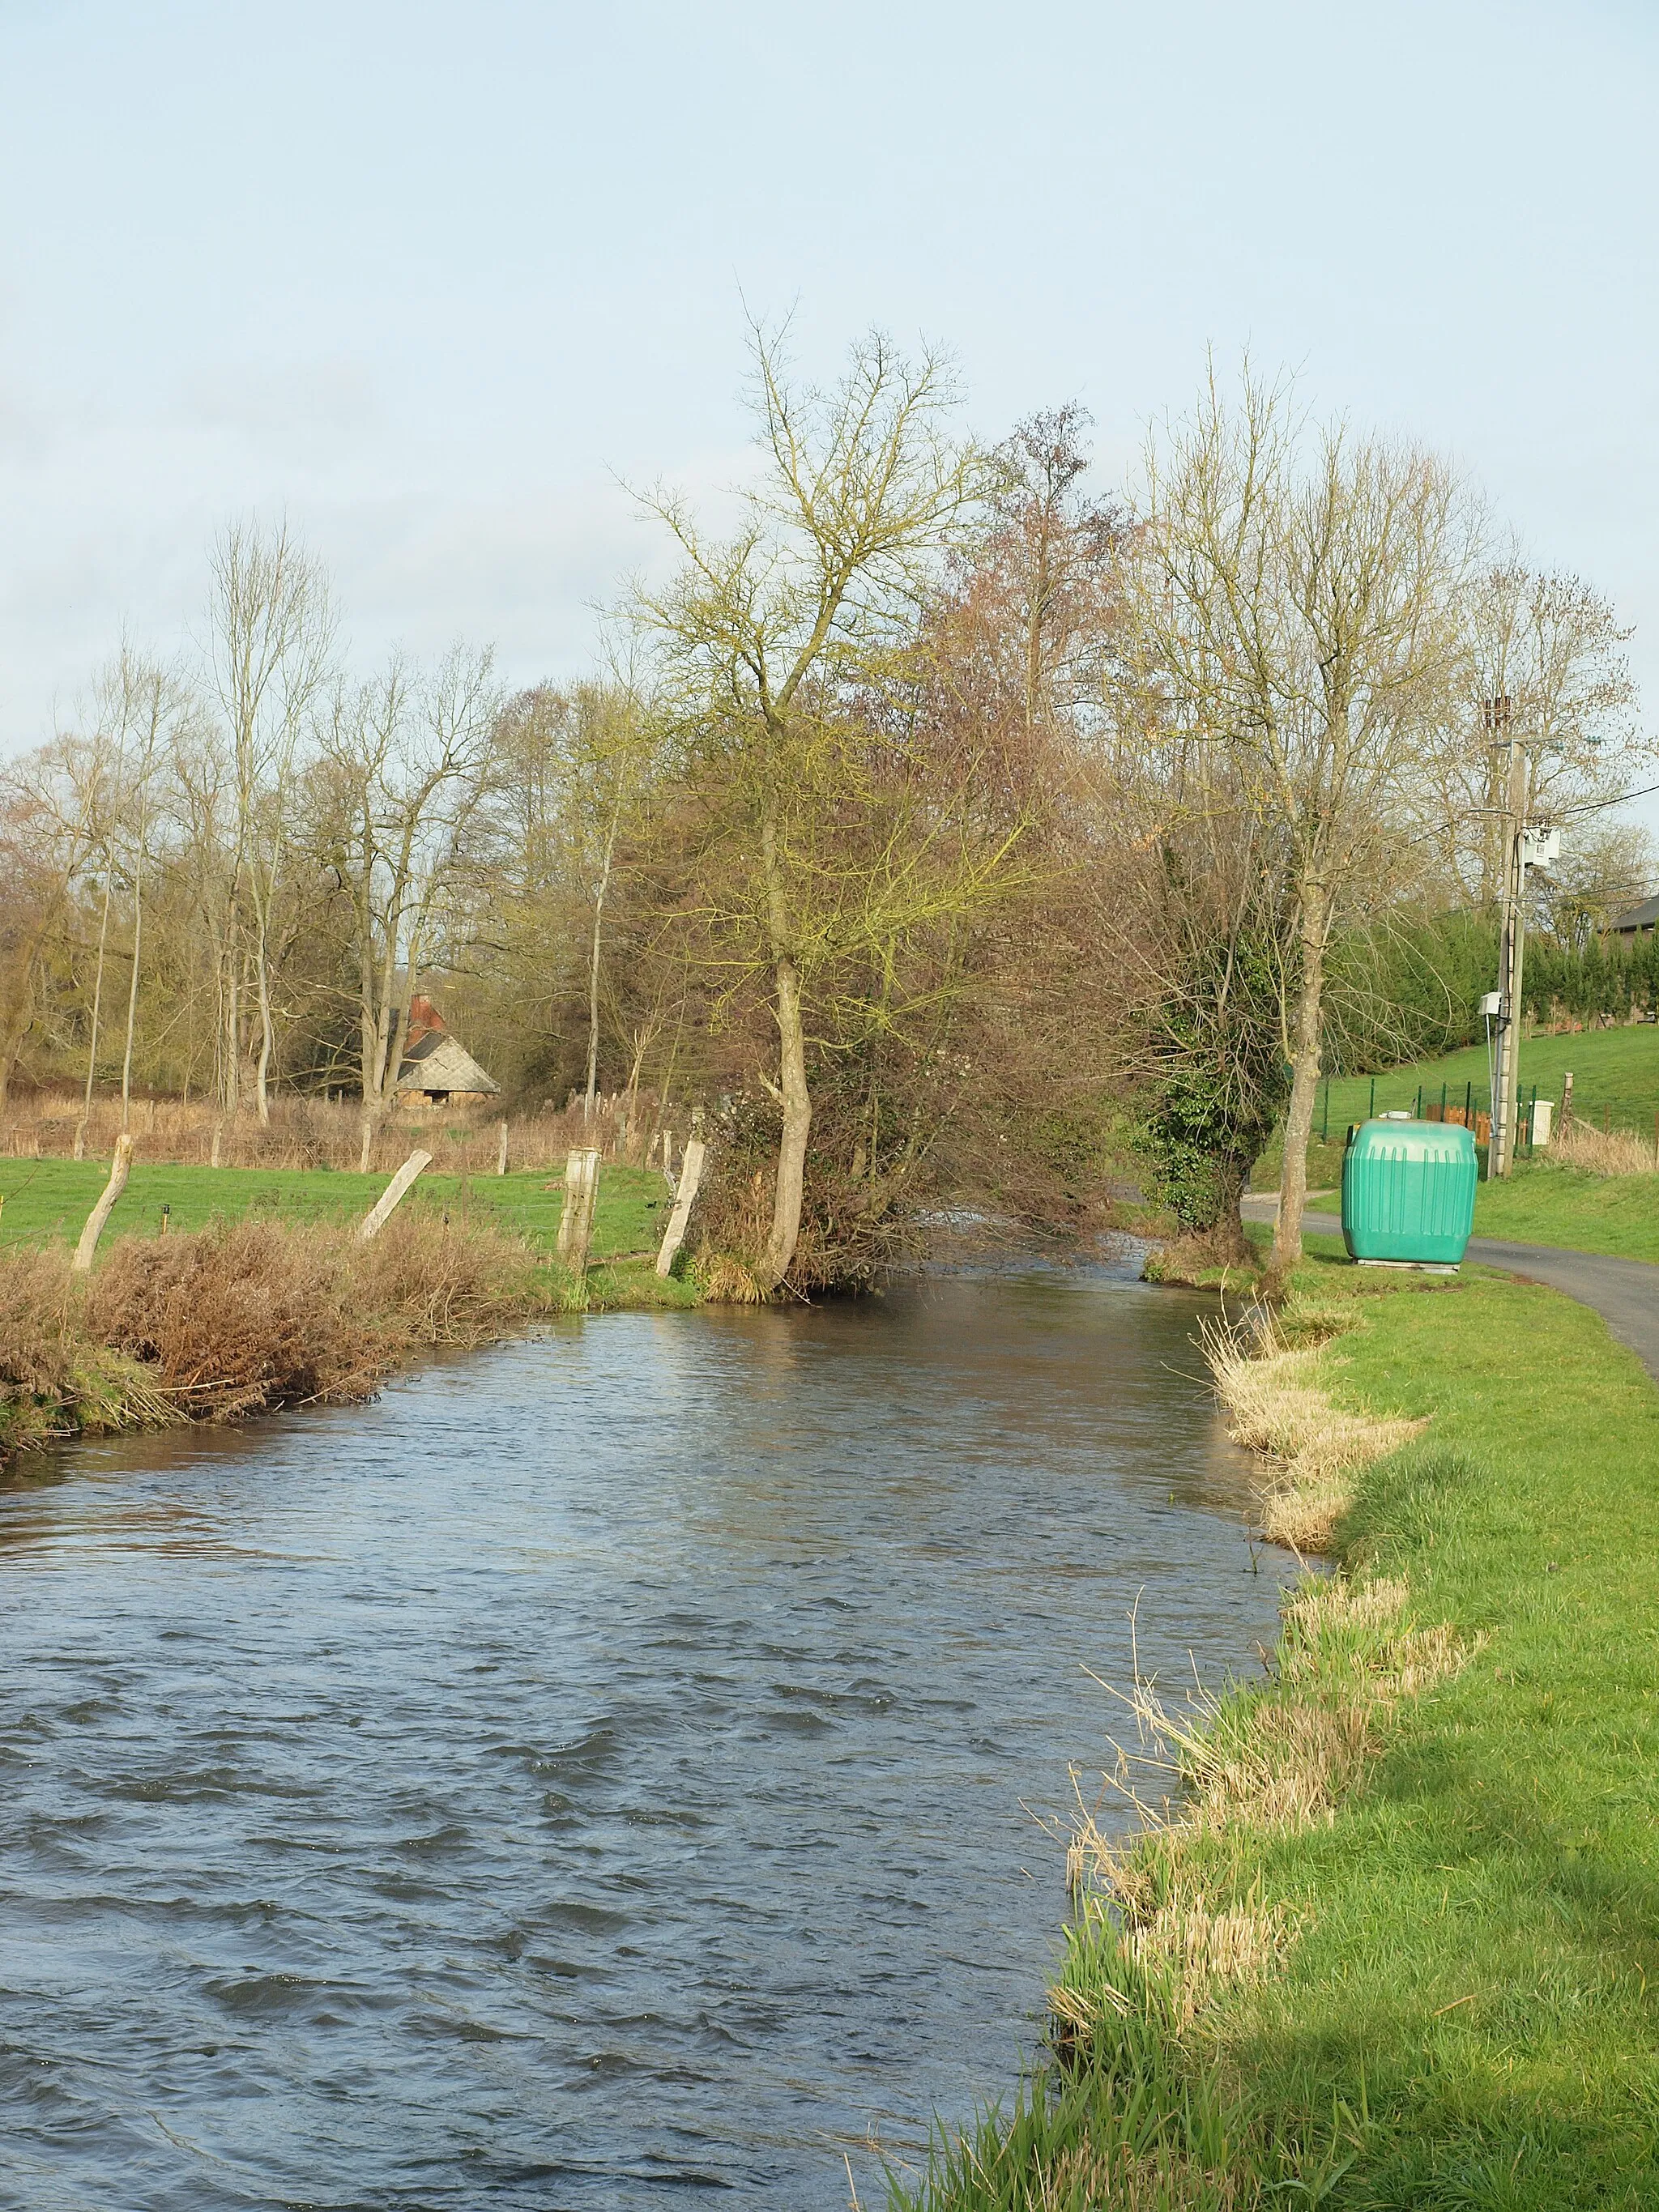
(685, 1195)
(376, 1219)
(573, 1178)
(581, 1195)
(501, 1157)
(82, 1263)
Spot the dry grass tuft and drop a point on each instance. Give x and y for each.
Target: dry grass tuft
(1277, 1760)
(1602, 1151)
(1314, 1448)
(1192, 1951)
(1119, 2179)
(725, 1281)
(438, 1282)
(37, 1334)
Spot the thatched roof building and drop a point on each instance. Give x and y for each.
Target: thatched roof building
(436, 1070)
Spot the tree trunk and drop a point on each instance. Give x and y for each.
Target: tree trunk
(101, 1213)
(791, 1092)
(796, 1125)
(132, 983)
(593, 968)
(262, 1091)
(92, 1047)
(1304, 1083)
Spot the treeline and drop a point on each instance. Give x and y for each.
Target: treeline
(948, 833)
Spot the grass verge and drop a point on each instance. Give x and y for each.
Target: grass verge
(1385, 1934)
(45, 1201)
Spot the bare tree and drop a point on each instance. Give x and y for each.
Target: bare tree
(156, 710)
(405, 764)
(1303, 609)
(273, 627)
(1553, 648)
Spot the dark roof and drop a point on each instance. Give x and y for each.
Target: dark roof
(1637, 917)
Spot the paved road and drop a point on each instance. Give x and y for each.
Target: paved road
(1624, 1292)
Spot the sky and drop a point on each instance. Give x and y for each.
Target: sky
(440, 282)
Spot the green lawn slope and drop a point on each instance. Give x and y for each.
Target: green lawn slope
(1615, 1077)
(45, 1201)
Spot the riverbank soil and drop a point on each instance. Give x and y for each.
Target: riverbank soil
(1396, 1948)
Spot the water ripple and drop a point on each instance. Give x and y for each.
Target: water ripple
(597, 1774)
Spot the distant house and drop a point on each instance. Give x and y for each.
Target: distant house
(1636, 921)
(435, 1069)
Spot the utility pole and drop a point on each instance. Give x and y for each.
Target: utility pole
(1499, 717)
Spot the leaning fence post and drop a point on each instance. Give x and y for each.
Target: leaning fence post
(375, 1220)
(82, 1263)
(685, 1191)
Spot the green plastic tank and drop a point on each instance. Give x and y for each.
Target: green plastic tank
(1408, 1191)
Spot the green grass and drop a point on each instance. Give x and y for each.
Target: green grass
(1468, 2015)
(1545, 1204)
(47, 1201)
(1616, 1072)
(1615, 1077)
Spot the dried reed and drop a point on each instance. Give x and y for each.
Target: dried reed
(1602, 1151)
(1314, 1448)
(319, 1133)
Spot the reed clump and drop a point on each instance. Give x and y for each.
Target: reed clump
(1266, 1378)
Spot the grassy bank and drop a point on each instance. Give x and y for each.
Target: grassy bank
(1544, 1202)
(45, 1201)
(1392, 1945)
(1615, 1078)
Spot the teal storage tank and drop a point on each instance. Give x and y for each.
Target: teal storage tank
(1408, 1192)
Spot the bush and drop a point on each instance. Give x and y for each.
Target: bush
(240, 1317)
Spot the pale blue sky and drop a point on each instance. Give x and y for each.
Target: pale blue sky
(430, 276)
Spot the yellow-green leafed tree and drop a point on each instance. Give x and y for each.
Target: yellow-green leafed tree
(783, 654)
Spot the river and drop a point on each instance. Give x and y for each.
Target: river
(603, 1772)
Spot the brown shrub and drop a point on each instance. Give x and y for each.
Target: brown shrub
(439, 1282)
(36, 1326)
(241, 1316)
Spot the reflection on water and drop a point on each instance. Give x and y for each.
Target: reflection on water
(602, 1771)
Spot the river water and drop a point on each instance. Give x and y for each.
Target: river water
(602, 1773)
